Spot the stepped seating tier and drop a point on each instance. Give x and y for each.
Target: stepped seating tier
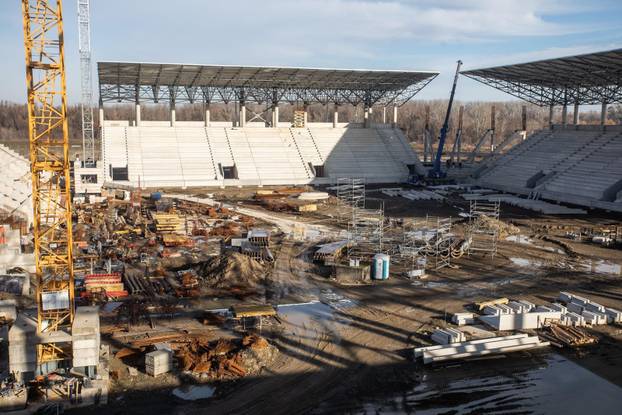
(576, 166)
(164, 156)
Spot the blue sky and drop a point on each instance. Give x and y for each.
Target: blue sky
(415, 34)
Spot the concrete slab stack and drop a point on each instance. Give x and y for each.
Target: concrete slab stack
(613, 315)
(462, 319)
(572, 319)
(23, 345)
(85, 336)
(594, 318)
(158, 362)
(520, 321)
(447, 336)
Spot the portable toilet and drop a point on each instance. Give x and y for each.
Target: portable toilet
(380, 267)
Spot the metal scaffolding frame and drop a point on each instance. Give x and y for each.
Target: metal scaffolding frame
(365, 225)
(483, 228)
(592, 78)
(443, 243)
(86, 83)
(185, 83)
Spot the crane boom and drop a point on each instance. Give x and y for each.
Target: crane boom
(49, 165)
(436, 171)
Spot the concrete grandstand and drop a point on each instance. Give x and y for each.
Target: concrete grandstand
(570, 163)
(176, 153)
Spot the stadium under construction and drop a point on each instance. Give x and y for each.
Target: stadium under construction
(278, 264)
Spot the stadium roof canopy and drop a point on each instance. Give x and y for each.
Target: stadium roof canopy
(593, 78)
(129, 82)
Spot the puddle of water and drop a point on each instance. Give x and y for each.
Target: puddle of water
(194, 392)
(552, 385)
(602, 266)
(524, 262)
(429, 284)
(521, 239)
(311, 318)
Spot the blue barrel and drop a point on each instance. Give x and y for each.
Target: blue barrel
(156, 196)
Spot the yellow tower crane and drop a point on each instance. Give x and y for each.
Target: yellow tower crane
(49, 164)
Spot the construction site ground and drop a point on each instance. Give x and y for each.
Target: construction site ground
(350, 351)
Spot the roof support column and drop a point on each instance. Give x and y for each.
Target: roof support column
(336, 115)
(603, 114)
(493, 120)
(275, 115)
(367, 111)
(524, 120)
(275, 109)
(242, 114)
(565, 115)
(394, 123)
(173, 118)
(551, 116)
(305, 117)
(101, 114)
(137, 106)
(575, 114)
(208, 114)
(242, 111)
(384, 114)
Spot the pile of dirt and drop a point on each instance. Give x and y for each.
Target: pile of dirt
(232, 269)
(227, 358)
(505, 229)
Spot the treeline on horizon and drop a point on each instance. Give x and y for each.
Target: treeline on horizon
(411, 117)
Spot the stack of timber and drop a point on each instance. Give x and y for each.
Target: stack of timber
(110, 284)
(169, 223)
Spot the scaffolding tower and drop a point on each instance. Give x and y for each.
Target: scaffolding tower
(484, 226)
(365, 224)
(443, 243)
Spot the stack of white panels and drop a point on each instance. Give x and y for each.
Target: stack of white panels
(478, 348)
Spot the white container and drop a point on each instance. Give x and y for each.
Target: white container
(380, 267)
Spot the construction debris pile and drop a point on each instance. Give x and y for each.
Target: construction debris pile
(503, 229)
(232, 272)
(226, 358)
(162, 247)
(292, 200)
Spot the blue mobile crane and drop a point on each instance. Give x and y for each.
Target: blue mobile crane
(436, 172)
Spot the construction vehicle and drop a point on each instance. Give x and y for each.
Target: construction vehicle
(436, 172)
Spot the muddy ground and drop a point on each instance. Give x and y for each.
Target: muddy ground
(355, 357)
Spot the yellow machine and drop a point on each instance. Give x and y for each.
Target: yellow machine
(484, 304)
(49, 164)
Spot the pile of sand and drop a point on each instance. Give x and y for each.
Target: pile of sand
(232, 269)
